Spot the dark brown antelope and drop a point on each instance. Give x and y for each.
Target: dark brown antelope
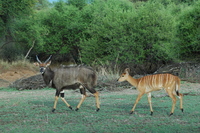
(147, 84)
(72, 77)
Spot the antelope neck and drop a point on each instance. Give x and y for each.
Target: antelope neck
(132, 81)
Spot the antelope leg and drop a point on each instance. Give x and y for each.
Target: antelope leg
(97, 100)
(181, 101)
(149, 100)
(170, 93)
(63, 99)
(81, 101)
(55, 103)
(136, 101)
(62, 94)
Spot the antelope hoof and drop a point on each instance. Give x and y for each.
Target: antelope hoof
(151, 113)
(131, 112)
(182, 110)
(70, 107)
(53, 110)
(171, 114)
(98, 109)
(76, 109)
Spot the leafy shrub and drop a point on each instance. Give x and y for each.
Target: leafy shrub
(125, 34)
(189, 31)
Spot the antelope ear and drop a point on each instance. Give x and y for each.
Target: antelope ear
(48, 64)
(36, 64)
(127, 70)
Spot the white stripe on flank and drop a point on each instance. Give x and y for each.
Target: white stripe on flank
(140, 81)
(153, 81)
(166, 79)
(159, 81)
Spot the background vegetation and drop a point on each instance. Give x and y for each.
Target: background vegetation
(101, 31)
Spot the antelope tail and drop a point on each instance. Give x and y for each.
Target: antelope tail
(177, 88)
(177, 93)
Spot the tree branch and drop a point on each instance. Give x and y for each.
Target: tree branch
(29, 50)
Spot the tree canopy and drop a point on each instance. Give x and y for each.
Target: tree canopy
(94, 31)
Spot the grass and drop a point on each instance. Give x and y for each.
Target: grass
(30, 112)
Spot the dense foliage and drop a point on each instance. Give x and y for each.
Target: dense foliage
(94, 31)
(189, 31)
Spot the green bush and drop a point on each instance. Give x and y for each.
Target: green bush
(126, 34)
(189, 31)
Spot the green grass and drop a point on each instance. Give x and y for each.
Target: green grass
(30, 112)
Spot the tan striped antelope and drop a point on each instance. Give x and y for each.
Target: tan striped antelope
(147, 84)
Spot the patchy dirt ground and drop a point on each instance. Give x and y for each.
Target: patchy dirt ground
(9, 76)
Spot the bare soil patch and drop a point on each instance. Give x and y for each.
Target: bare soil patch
(9, 76)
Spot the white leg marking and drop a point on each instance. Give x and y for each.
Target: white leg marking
(149, 95)
(80, 87)
(82, 96)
